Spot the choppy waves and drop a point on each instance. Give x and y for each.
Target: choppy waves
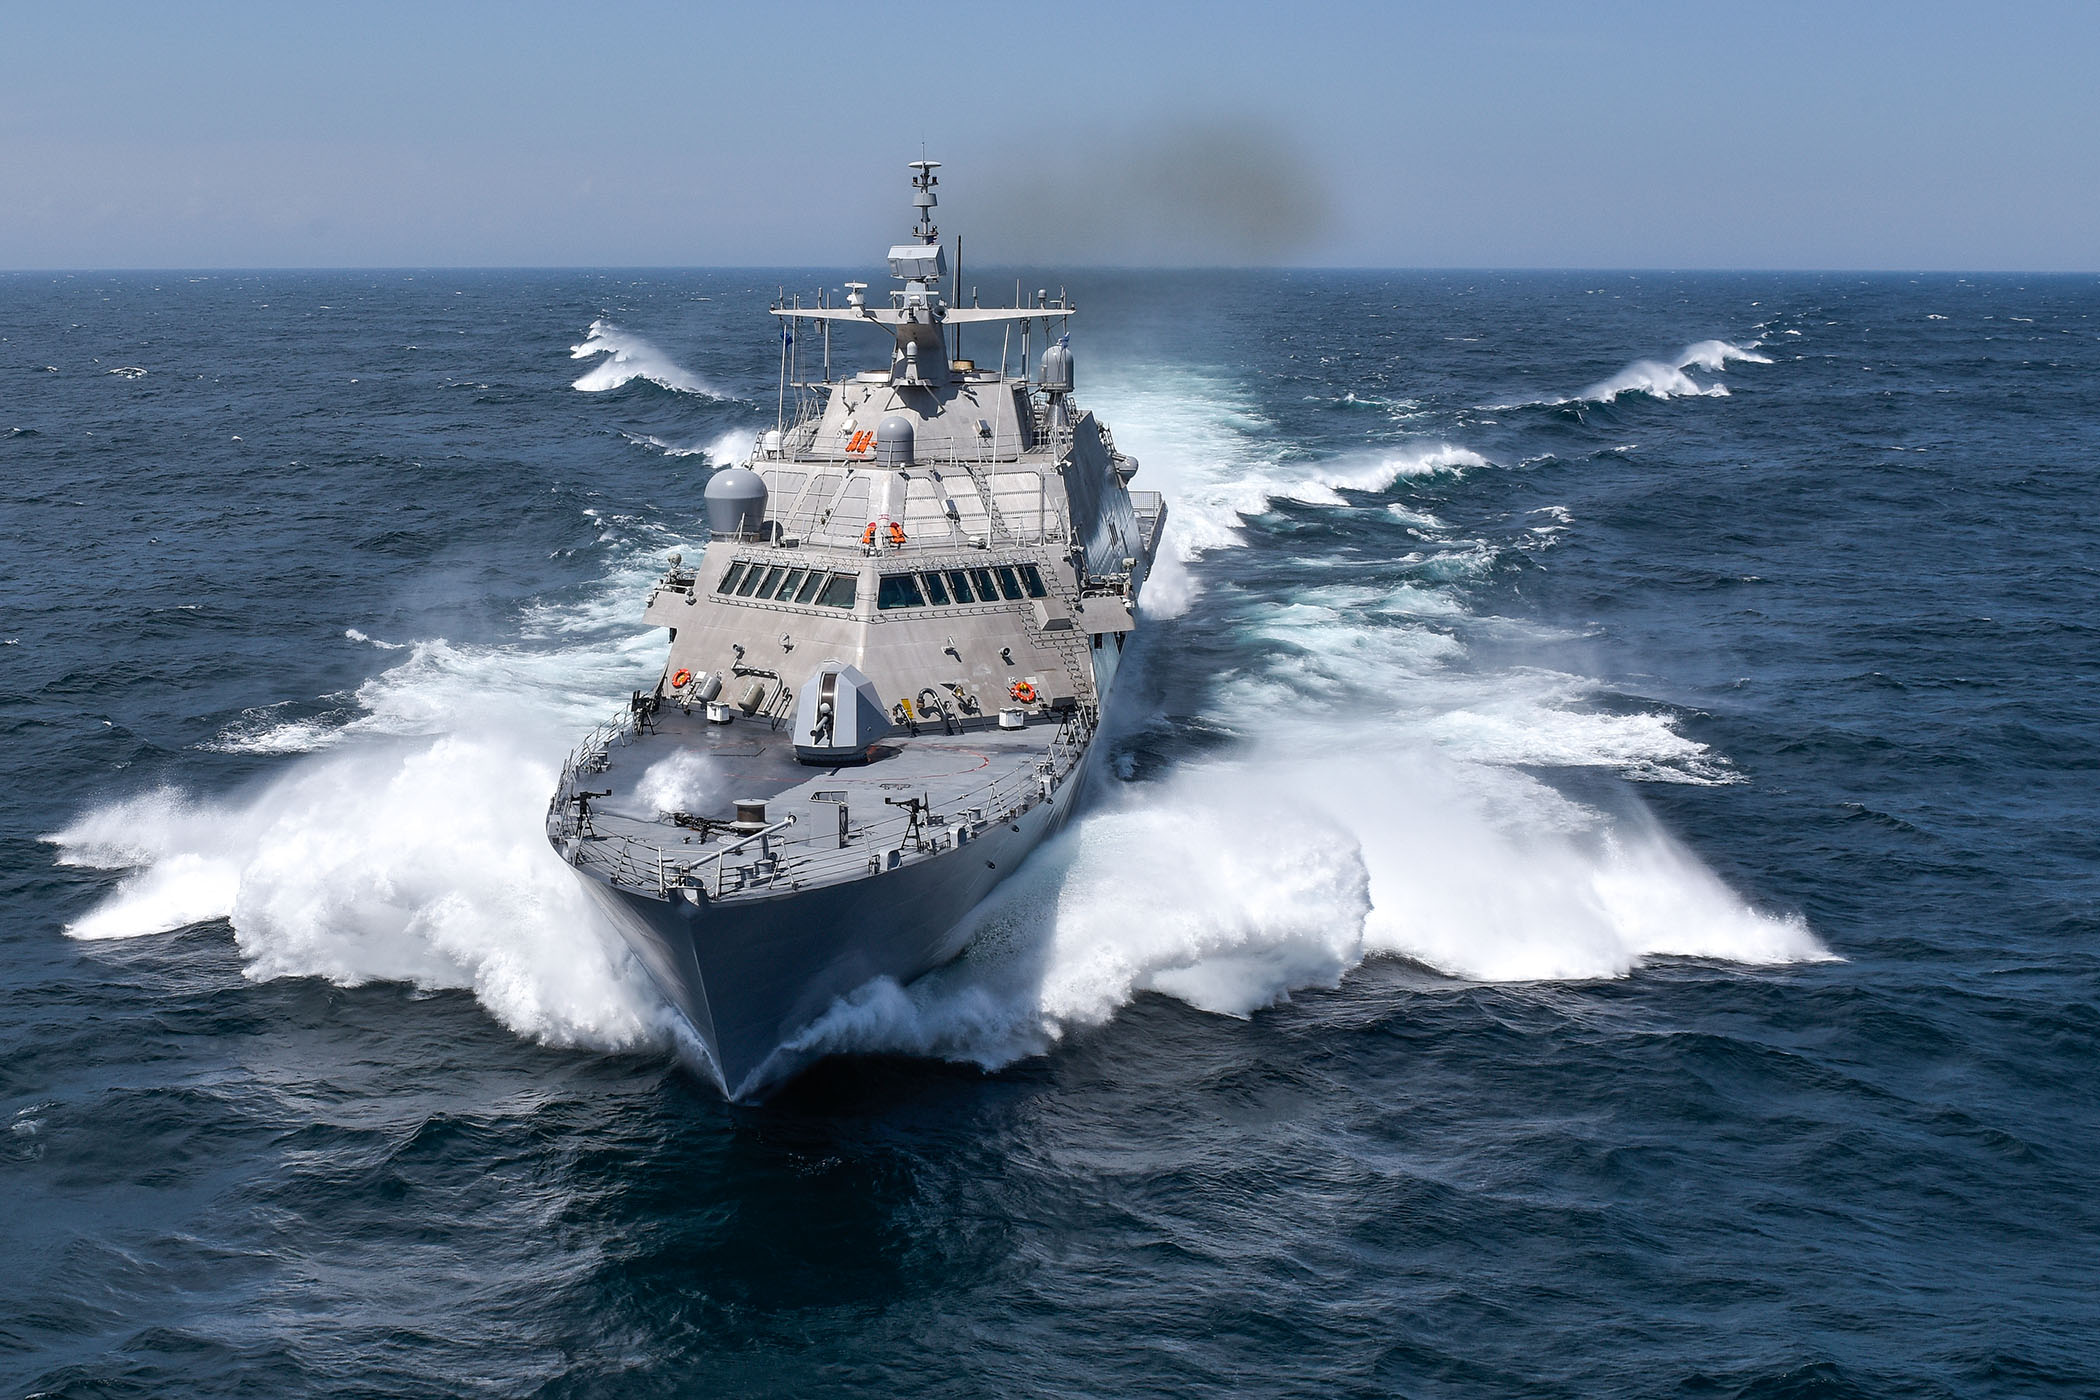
(1385, 797)
(420, 862)
(403, 841)
(1384, 793)
(1664, 379)
(628, 357)
(716, 450)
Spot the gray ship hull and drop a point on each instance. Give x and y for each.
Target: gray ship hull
(749, 976)
(884, 674)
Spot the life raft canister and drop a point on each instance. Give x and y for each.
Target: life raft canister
(680, 677)
(1023, 692)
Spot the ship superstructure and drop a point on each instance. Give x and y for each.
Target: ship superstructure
(885, 671)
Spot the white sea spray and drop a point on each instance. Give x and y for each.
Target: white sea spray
(1398, 814)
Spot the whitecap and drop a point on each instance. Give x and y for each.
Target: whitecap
(1401, 813)
(629, 357)
(1664, 379)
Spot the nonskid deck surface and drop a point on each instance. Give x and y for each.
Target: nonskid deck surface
(823, 824)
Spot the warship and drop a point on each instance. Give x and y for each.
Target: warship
(886, 669)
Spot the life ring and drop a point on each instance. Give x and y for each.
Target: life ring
(680, 678)
(1023, 692)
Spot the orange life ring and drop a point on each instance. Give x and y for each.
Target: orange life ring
(680, 677)
(1023, 692)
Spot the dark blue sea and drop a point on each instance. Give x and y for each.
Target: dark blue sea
(1591, 889)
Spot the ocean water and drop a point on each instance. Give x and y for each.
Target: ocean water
(1591, 890)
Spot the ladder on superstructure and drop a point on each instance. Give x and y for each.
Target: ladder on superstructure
(995, 523)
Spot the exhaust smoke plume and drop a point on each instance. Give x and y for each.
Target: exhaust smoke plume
(1229, 191)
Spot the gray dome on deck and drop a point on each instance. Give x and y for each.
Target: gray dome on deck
(736, 502)
(895, 441)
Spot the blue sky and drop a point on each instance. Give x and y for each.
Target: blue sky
(1489, 135)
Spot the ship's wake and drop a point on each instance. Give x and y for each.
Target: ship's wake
(396, 845)
(421, 862)
(1403, 816)
(1375, 793)
(1231, 886)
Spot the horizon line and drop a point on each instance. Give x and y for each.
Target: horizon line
(1156, 268)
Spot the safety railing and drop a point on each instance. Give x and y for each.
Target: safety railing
(770, 861)
(1151, 510)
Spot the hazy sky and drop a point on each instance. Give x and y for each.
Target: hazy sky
(1683, 135)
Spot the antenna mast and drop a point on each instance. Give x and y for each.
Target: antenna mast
(923, 199)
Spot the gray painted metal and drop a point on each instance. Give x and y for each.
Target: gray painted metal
(893, 441)
(1057, 368)
(736, 502)
(838, 717)
(925, 547)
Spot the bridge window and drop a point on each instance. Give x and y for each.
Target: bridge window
(936, 591)
(839, 591)
(786, 592)
(1032, 580)
(959, 585)
(729, 578)
(987, 591)
(808, 591)
(899, 591)
(1009, 586)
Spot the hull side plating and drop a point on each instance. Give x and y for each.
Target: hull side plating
(750, 976)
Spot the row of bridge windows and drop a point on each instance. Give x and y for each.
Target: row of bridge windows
(941, 587)
(778, 583)
(781, 583)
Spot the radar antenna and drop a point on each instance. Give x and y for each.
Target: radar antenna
(923, 199)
